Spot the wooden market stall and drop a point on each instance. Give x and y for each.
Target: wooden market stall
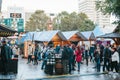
(73, 37)
(55, 36)
(114, 36)
(57, 40)
(27, 40)
(46, 37)
(90, 37)
(26, 46)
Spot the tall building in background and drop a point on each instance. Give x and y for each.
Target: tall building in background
(0, 5)
(89, 8)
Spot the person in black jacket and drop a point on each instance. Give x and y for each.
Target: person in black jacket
(106, 58)
(71, 54)
(6, 55)
(65, 59)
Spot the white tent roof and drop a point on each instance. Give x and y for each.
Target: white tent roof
(42, 36)
(88, 34)
(48, 35)
(37, 35)
(29, 36)
(69, 34)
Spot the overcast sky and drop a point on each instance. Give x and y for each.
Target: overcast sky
(51, 6)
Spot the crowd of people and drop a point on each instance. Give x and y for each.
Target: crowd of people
(105, 57)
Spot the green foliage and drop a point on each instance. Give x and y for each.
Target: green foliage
(110, 7)
(63, 21)
(73, 21)
(38, 20)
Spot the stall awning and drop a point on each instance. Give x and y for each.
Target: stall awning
(5, 31)
(114, 36)
(110, 35)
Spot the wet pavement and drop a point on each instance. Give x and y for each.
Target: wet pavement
(34, 72)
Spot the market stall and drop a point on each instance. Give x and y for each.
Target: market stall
(6, 31)
(13, 62)
(90, 37)
(73, 37)
(46, 37)
(56, 37)
(114, 36)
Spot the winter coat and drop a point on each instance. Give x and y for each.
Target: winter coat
(78, 55)
(65, 54)
(115, 56)
(6, 53)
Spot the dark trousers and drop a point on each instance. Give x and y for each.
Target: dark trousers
(4, 67)
(86, 61)
(98, 65)
(70, 65)
(106, 64)
(29, 58)
(44, 63)
(65, 66)
(35, 60)
(114, 65)
(86, 57)
(73, 63)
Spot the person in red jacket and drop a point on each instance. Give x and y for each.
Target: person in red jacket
(78, 57)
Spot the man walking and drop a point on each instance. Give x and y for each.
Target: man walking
(6, 54)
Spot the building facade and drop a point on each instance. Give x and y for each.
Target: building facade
(89, 8)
